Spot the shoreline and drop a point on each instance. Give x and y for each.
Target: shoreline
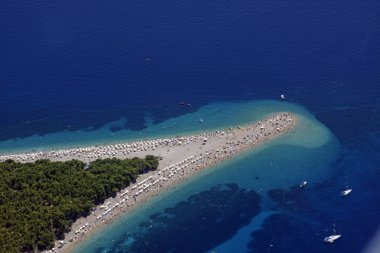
(182, 157)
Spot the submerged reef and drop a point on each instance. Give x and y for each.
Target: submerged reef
(198, 224)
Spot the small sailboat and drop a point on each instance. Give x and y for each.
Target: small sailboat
(332, 238)
(303, 184)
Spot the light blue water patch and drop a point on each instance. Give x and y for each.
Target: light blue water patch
(304, 153)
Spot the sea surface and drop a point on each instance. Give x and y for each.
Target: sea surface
(76, 73)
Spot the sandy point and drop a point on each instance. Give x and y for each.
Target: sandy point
(182, 157)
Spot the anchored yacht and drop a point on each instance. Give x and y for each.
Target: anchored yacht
(332, 238)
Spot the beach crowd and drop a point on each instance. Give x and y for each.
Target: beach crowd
(182, 156)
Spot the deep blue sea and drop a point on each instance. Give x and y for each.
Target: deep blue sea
(82, 72)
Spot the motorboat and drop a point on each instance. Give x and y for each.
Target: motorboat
(331, 238)
(345, 192)
(303, 184)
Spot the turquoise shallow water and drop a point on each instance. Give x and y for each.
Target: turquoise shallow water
(214, 116)
(303, 154)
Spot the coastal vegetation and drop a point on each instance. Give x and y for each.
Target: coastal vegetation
(39, 201)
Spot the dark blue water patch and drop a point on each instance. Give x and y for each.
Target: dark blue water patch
(300, 227)
(293, 200)
(198, 224)
(358, 125)
(307, 215)
(285, 233)
(86, 64)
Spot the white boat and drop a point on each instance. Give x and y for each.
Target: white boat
(303, 184)
(282, 96)
(200, 120)
(331, 238)
(346, 192)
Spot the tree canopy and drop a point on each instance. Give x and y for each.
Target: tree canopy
(39, 201)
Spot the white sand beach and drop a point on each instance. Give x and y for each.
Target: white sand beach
(182, 157)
